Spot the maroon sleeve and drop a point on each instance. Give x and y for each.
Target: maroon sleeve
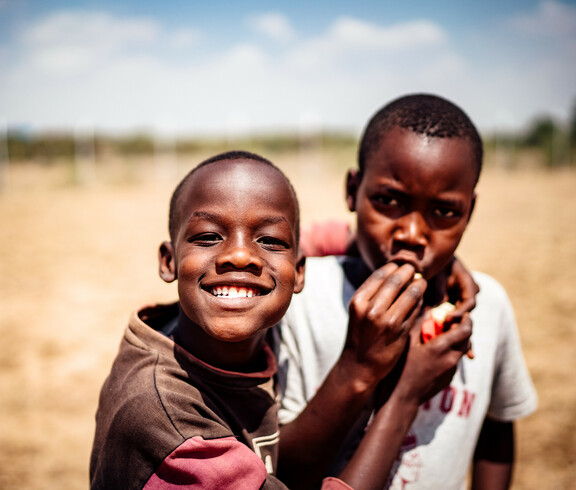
(219, 463)
(326, 238)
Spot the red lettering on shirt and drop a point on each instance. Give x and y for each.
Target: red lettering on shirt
(467, 400)
(447, 399)
(452, 399)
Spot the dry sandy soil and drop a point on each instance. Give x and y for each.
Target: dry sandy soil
(76, 259)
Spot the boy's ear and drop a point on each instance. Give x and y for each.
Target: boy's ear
(352, 183)
(167, 262)
(300, 269)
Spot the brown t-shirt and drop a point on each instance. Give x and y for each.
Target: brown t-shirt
(167, 418)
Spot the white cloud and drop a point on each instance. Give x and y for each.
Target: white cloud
(357, 47)
(91, 29)
(274, 25)
(71, 42)
(356, 34)
(184, 38)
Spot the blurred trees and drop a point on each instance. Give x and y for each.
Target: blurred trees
(553, 142)
(572, 127)
(550, 142)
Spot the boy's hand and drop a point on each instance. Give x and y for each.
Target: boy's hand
(429, 367)
(462, 289)
(382, 313)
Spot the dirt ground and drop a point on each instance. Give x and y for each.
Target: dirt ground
(76, 259)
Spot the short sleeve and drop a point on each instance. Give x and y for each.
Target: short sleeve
(513, 393)
(218, 463)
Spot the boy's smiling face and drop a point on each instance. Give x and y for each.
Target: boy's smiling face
(235, 252)
(414, 200)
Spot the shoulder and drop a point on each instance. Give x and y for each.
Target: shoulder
(493, 317)
(491, 291)
(487, 282)
(316, 266)
(331, 271)
(148, 382)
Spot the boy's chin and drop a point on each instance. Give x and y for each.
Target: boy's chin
(233, 332)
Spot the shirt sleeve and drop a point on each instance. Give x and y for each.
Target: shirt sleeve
(325, 238)
(218, 463)
(513, 393)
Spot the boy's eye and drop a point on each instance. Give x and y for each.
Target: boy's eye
(386, 200)
(445, 213)
(273, 243)
(205, 239)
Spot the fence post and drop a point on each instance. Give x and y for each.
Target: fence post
(4, 157)
(84, 155)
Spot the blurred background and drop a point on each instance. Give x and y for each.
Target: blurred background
(105, 105)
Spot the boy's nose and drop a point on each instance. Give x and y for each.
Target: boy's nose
(412, 230)
(239, 255)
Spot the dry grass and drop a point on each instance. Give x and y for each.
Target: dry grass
(75, 260)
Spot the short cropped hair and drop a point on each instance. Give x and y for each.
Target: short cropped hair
(174, 213)
(424, 114)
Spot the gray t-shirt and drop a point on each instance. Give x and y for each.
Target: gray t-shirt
(438, 448)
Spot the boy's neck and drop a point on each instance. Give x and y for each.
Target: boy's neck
(243, 357)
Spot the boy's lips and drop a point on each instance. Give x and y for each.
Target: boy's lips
(401, 260)
(236, 289)
(235, 292)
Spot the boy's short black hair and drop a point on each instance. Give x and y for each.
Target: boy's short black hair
(425, 114)
(174, 215)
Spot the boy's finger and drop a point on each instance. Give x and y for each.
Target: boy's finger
(371, 285)
(384, 285)
(463, 306)
(458, 336)
(400, 297)
(468, 321)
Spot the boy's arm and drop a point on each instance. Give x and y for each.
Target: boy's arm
(429, 368)
(494, 456)
(381, 313)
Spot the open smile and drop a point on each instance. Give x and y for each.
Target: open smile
(235, 292)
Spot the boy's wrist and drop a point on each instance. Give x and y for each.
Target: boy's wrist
(406, 397)
(359, 379)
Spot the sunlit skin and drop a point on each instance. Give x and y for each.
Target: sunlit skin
(235, 257)
(413, 201)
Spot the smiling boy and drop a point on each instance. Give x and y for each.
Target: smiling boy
(414, 192)
(190, 398)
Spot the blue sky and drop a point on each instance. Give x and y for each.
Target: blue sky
(181, 67)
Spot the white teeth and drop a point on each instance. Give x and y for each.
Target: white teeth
(234, 292)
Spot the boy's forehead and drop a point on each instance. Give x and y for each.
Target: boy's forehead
(240, 180)
(240, 174)
(397, 141)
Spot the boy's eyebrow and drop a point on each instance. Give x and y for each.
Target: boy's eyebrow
(208, 216)
(204, 215)
(390, 189)
(273, 220)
